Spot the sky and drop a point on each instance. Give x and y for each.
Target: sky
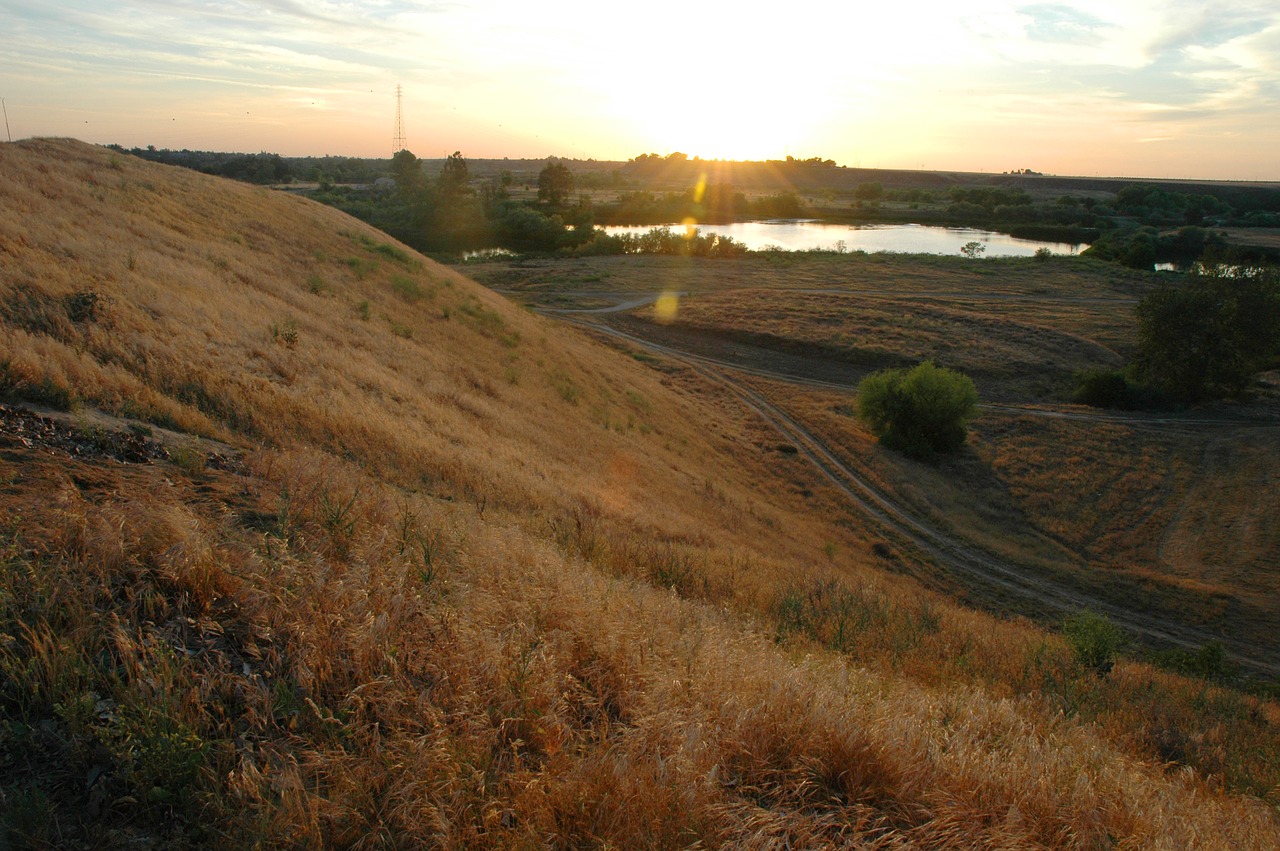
(1137, 88)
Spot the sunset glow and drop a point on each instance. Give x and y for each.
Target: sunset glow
(1134, 87)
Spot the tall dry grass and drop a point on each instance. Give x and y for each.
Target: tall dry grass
(480, 582)
(319, 685)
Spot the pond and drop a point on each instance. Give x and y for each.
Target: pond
(802, 235)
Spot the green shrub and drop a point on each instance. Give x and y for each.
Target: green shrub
(1094, 640)
(1209, 662)
(407, 288)
(1105, 388)
(391, 252)
(1139, 252)
(285, 333)
(921, 411)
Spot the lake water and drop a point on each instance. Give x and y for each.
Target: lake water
(796, 235)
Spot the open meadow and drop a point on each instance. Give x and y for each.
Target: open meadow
(310, 541)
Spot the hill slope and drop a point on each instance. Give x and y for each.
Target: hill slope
(322, 544)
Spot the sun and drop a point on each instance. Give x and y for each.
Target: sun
(750, 120)
(717, 91)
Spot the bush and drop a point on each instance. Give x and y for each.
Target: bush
(869, 191)
(1094, 640)
(1139, 253)
(921, 411)
(1208, 662)
(1105, 388)
(525, 229)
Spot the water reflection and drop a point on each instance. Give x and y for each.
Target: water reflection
(799, 235)
(1220, 270)
(484, 255)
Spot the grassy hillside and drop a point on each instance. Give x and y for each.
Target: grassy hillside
(309, 541)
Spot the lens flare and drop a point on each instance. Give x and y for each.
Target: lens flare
(666, 307)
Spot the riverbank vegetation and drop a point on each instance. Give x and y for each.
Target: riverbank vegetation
(506, 204)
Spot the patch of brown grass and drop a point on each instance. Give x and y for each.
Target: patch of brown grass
(272, 686)
(1010, 349)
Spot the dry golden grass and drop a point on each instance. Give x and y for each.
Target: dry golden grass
(995, 342)
(1066, 278)
(478, 581)
(329, 688)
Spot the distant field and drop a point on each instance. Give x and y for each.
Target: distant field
(1022, 328)
(902, 274)
(1261, 237)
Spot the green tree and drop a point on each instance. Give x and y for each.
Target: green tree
(973, 250)
(525, 229)
(407, 170)
(921, 411)
(1208, 338)
(1140, 251)
(1105, 388)
(455, 176)
(555, 184)
(873, 191)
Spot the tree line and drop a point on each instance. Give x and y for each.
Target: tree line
(1140, 225)
(454, 212)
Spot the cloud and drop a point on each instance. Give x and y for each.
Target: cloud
(1184, 24)
(1063, 25)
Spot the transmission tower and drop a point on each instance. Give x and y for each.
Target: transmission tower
(398, 144)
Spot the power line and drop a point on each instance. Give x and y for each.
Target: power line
(398, 143)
